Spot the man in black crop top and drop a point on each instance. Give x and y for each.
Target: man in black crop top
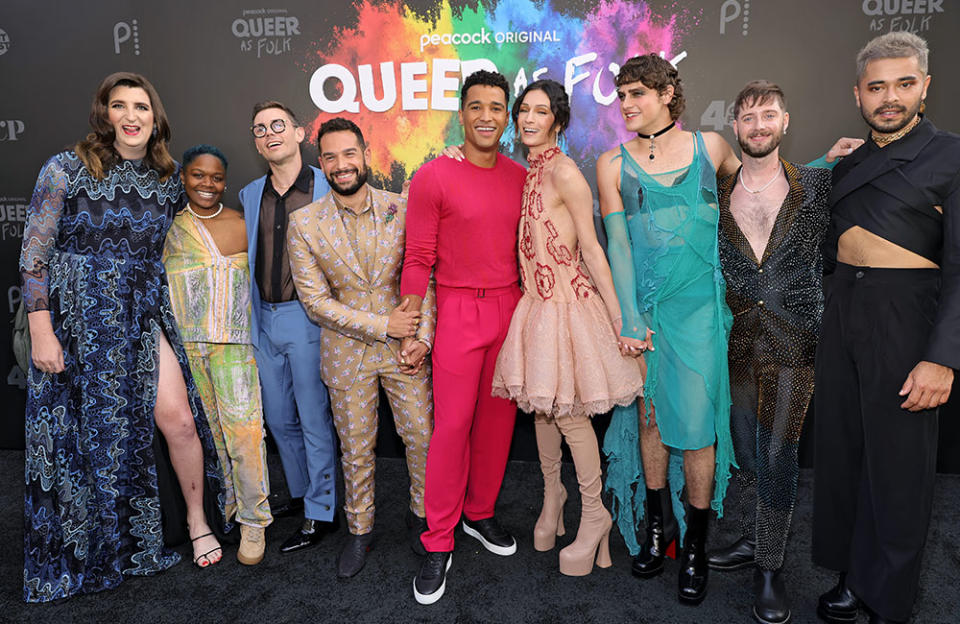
(890, 339)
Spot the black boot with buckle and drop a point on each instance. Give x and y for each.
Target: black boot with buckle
(661, 532)
(692, 582)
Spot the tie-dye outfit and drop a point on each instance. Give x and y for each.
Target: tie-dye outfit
(210, 294)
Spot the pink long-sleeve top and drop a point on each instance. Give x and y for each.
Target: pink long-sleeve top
(462, 223)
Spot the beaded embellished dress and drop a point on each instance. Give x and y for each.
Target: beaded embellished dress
(560, 357)
(91, 256)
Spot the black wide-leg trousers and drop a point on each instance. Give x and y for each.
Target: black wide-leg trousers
(875, 462)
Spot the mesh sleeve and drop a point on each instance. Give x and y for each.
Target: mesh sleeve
(624, 275)
(821, 163)
(40, 234)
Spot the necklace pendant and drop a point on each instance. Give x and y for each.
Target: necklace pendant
(652, 137)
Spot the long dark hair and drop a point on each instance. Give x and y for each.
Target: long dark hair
(97, 152)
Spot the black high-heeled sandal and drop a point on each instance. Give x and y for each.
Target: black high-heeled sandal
(206, 556)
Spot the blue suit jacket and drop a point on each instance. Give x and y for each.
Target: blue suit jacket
(250, 197)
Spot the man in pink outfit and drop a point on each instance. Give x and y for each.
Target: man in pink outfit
(462, 220)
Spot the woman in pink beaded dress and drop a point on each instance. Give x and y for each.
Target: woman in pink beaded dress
(561, 359)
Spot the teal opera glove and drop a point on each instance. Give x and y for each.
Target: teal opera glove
(624, 275)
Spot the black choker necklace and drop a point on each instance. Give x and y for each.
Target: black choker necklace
(651, 137)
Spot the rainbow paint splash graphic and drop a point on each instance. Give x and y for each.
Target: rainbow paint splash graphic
(397, 72)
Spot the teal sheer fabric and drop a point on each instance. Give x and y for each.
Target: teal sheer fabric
(666, 270)
(821, 163)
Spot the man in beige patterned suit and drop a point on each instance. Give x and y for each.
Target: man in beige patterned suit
(346, 252)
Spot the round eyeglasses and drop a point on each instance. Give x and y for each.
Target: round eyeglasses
(277, 126)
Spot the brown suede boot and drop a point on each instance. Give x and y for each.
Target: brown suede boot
(550, 523)
(593, 536)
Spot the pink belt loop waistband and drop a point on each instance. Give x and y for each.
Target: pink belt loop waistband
(480, 293)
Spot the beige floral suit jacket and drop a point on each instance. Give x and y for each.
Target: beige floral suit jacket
(351, 307)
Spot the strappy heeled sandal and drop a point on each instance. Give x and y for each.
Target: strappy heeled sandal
(206, 556)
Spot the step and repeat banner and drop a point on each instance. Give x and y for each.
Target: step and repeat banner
(395, 68)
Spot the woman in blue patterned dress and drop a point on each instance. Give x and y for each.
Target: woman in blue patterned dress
(107, 362)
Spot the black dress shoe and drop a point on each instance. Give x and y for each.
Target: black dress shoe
(310, 533)
(287, 509)
(739, 554)
(770, 605)
(431, 580)
(417, 526)
(662, 530)
(493, 536)
(839, 605)
(354, 554)
(692, 581)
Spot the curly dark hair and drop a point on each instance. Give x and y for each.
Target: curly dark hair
(340, 124)
(199, 150)
(97, 152)
(559, 103)
(655, 73)
(484, 77)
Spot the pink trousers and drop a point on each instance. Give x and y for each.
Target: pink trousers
(472, 429)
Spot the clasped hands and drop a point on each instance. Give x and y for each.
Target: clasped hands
(632, 346)
(403, 323)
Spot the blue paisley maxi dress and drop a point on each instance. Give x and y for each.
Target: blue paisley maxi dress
(92, 256)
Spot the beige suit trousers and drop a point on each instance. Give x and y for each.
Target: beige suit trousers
(355, 416)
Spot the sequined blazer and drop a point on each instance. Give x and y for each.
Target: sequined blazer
(777, 300)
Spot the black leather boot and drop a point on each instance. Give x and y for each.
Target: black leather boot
(661, 531)
(416, 526)
(739, 554)
(838, 605)
(770, 605)
(353, 555)
(692, 585)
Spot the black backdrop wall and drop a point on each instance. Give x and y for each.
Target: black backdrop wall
(395, 67)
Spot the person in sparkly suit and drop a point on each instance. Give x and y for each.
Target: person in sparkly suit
(773, 217)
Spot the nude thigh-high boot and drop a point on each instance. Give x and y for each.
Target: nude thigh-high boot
(593, 536)
(550, 523)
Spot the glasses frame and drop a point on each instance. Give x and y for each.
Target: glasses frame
(277, 126)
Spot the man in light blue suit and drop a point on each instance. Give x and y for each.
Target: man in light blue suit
(286, 343)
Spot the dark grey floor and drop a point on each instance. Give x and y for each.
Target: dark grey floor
(482, 587)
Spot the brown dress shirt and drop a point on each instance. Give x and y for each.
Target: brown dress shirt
(273, 263)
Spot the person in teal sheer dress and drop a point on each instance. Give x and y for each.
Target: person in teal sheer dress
(658, 195)
(661, 219)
